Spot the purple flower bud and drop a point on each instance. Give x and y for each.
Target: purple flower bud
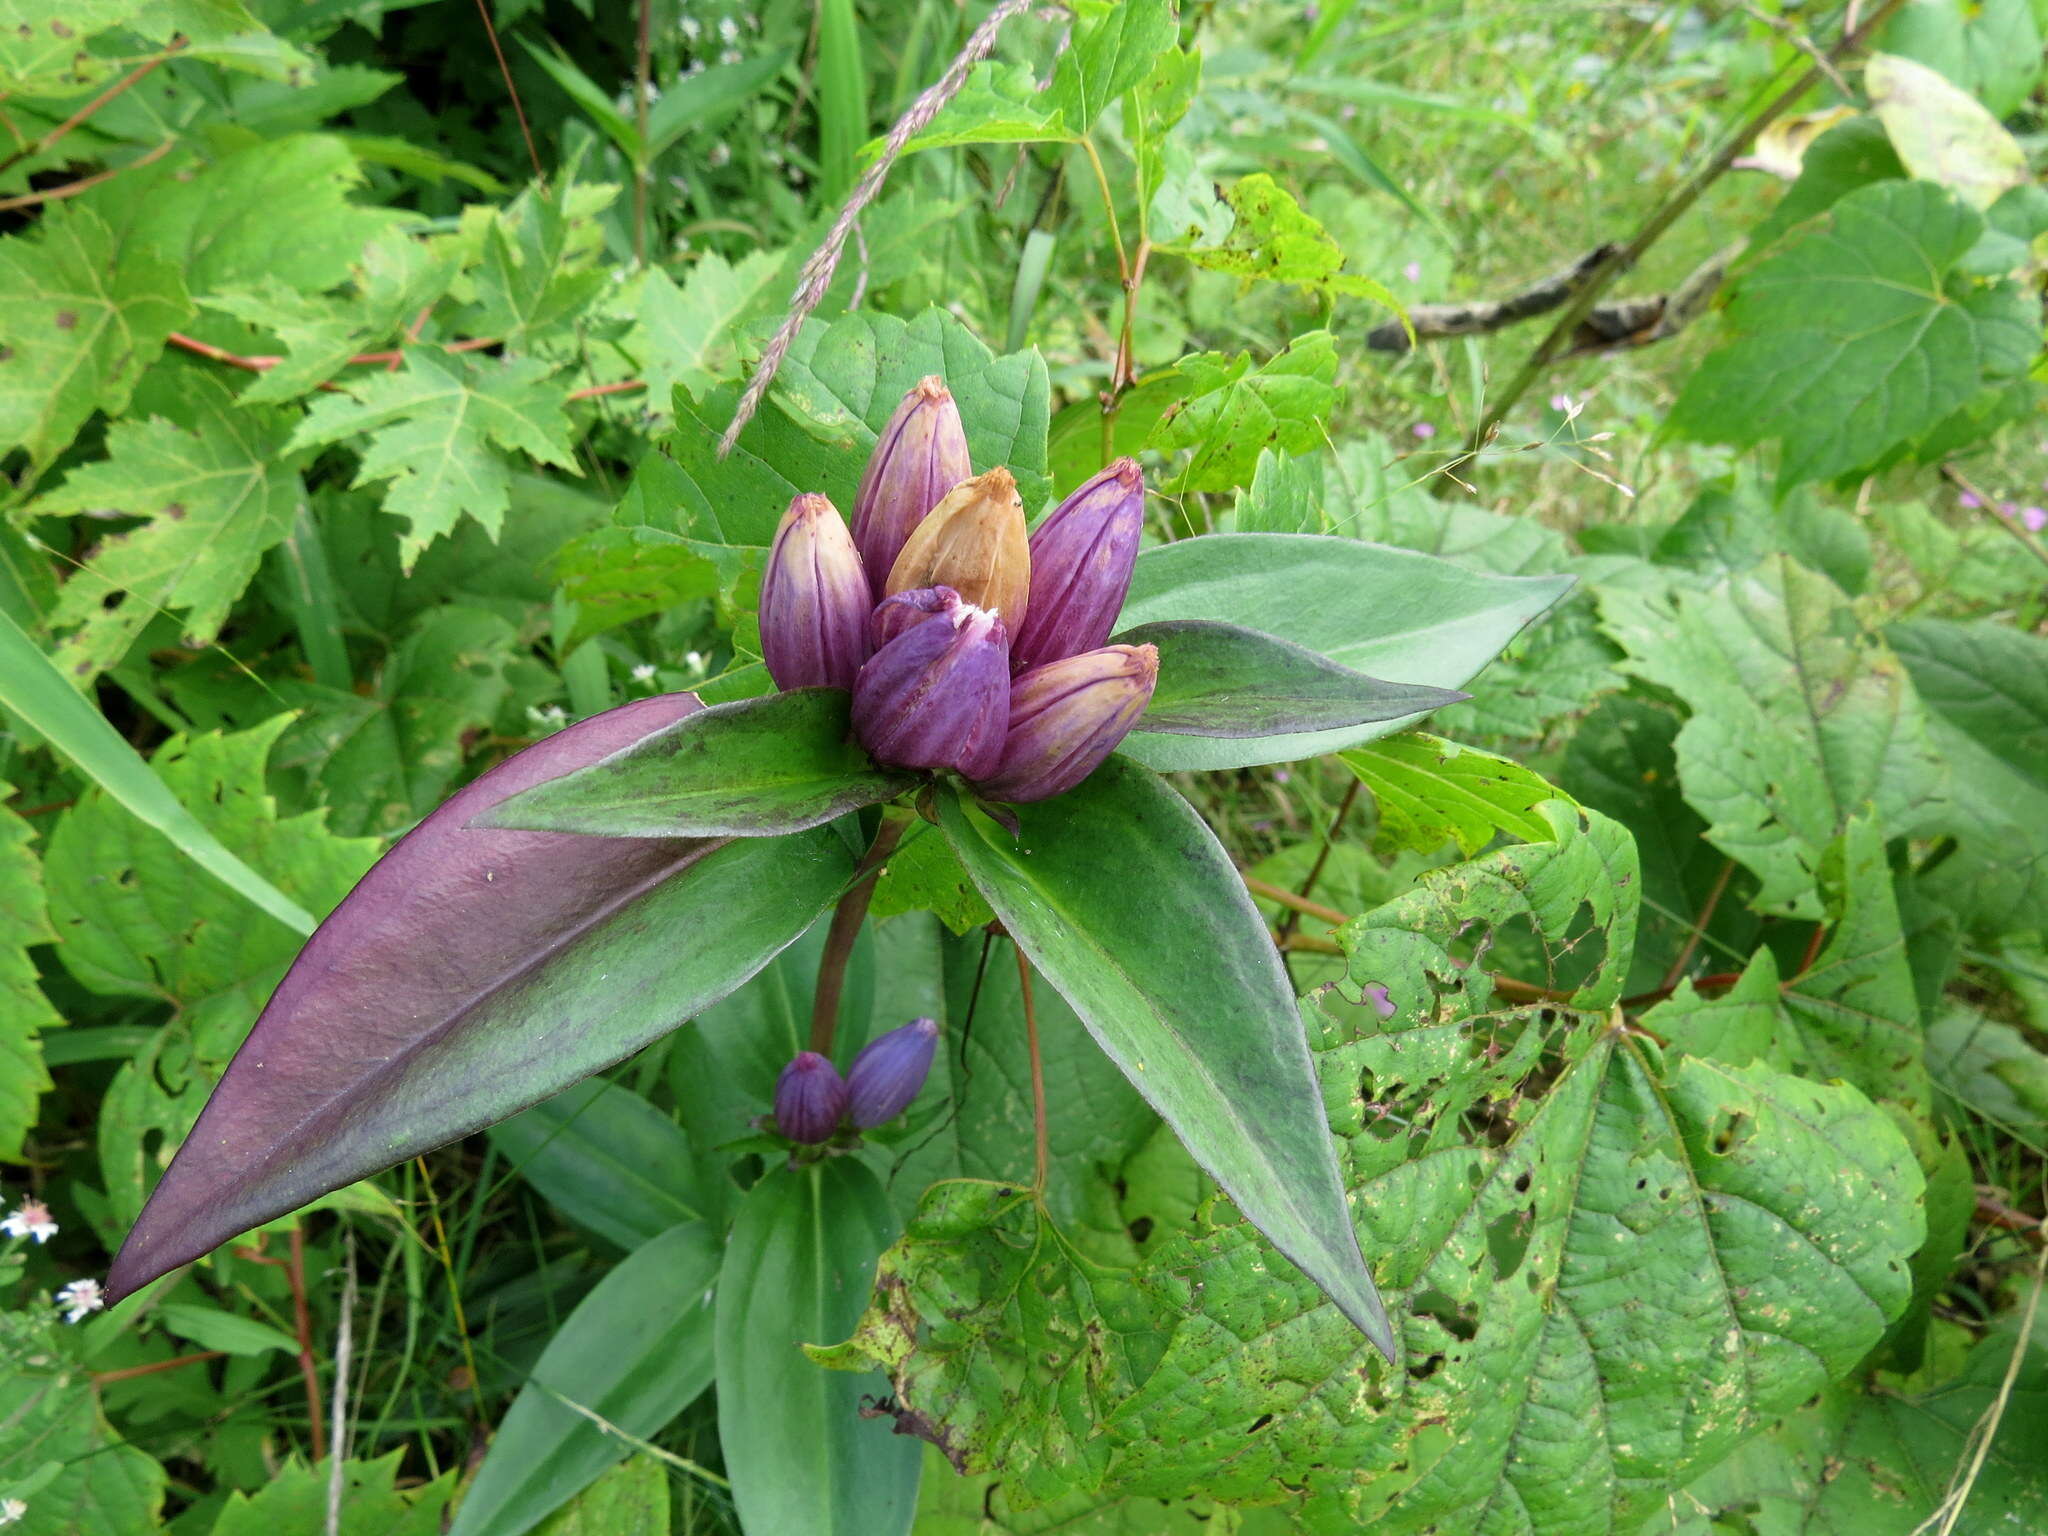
(920, 456)
(1081, 558)
(815, 600)
(906, 610)
(1067, 716)
(938, 695)
(889, 1071)
(810, 1098)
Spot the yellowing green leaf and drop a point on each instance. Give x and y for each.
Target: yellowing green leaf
(1943, 134)
(1272, 240)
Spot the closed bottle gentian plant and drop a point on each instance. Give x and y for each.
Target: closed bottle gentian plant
(940, 670)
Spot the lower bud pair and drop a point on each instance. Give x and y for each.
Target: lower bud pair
(811, 1098)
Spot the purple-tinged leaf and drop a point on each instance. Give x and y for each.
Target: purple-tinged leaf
(1224, 680)
(469, 975)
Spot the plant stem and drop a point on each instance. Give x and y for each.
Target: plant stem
(1297, 905)
(1672, 209)
(130, 1372)
(1040, 1160)
(1699, 927)
(302, 1320)
(132, 77)
(642, 65)
(2011, 525)
(540, 176)
(1315, 871)
(846, 920)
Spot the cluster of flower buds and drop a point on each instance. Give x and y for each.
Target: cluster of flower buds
(812, 1100)
(967, 645)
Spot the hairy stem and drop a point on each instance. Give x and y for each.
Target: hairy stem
(302, 1320)
(846, 920)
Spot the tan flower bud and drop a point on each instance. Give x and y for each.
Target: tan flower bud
(974, 542)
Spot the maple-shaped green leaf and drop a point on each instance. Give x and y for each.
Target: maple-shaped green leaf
(85, 314)
(1231, 411)
(372, 1503)
(539, 264)
(688, 336)
(24, 1010)
(1858, 334)
(135, 918)
(58, 1440)
(1001, 103)
(276, 211)
(216, 488)
(1800, 717)
(41, 44)
(1274, 240)
(1430, 792)
(1608, 1267)
(396, 277)
(435, 430)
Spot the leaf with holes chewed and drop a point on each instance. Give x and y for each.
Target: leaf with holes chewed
(1607, 1267)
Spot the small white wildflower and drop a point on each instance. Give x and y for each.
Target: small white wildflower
(720, 154)
(728, 30)
(730, 56)
(644, 673)
(12, 1510)
(30, 1219)
(548, 714)
(695, 660)
(79, 1298)
(691, 28)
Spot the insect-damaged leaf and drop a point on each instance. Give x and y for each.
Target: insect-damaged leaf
(471, 974)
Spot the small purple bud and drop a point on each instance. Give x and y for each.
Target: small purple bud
(1081, 558)
(938, 695)
(1067, 716)
(815, 600)
(810, 1098)
(920, 456)
(889, 1071)
(906, 610)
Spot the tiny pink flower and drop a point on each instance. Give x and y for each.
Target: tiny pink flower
(2034, 519)
(1413, 271)
(79, 1298)
(30, 1219)
(1563, 403)
(1970, 501)
(1423, 430)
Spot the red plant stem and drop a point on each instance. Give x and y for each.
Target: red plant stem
(1699, 927)
(540, 176)
(132, 77)
(1994, 1212)
(73, 188)
(302, 1318)
(847, 917)
(262, 362)
(1292, 920)
(620, 388)
(130, 1372)
(1041, 1159)
(1820, 933)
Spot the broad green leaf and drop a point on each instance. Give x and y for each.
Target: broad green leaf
(1000, 104)
(1985, 685)
(688, 336)
(275, 211)
(1112, 49)
(1992, 1068)
(1851, 155)
(796, 1271)
(52, 1412)
(1225, 680)
(40, 50)
(593, 99)
(34, 690)
(215, 489)
(1989, 48)
(395, 278)
(609, 1161)
(230, 1332)
(372, 1503)
(636, 1352)
(435, 430)
(1430, 792)
(632, 1499)
(1272, 240)
(617, 575)
(24, 1010)
(842, 383)
(756, 768)
(1744, 1024)
(1383, 612)
(1183, 989)
(710, 93)
(85, 315)
(1232, 410)
(539, 259)
(951, 1505)
(1943, 134)
(924, 875)
(1855, 336)
(1800, 717)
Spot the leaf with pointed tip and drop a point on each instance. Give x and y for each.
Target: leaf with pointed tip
(471, 974)
(1226, 680)
(752, 768)
(1185, 992)
(1385, 612)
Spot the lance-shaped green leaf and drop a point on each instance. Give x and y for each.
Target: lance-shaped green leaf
(470, 974)
(1122, 896)
(1384, 612)
(1226, 680)
(752, 768)
(797, 1269)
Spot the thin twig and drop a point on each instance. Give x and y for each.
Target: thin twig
(130, 1372)
(302, 1320)
(847, 917)
(73, 188)
(2011, 525)
(592, 391)
(1287, 898)
(1041, 1161)
(540, 176)
(1315, 871)
(136, 74)
(817, 272)
(1668, 213)
(1699, 927)
(344, 1340)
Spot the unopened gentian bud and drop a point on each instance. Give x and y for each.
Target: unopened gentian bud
(920, 456)
(889, 1071)
(810, 1099)
(1067, 716)
(1081, 558)
(938, 696)
(906, 610)
(815, 600)
(974, 542)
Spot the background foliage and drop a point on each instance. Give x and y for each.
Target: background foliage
(1679, 1004)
